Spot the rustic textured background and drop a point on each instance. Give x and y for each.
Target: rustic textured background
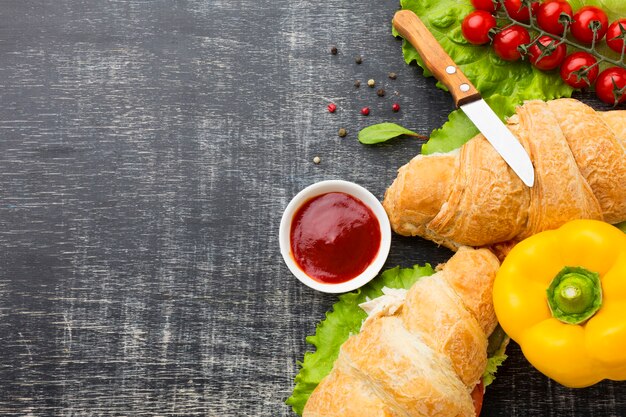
(147, 149)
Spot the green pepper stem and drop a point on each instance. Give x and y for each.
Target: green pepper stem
(575, 295)
(571, 293)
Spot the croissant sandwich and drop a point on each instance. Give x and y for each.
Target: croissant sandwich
(420, 356)
(471, 197)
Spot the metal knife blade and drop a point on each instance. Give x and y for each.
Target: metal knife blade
(465, 95)
(501, 139)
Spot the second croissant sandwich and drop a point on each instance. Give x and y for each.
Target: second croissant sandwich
(422, 356)
(471, 197)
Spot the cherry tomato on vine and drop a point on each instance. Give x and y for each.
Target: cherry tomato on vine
(486, 5)
(476, 27)
(579, 69)
(507, 41)
(547, 53)
(584, 22)
(611, 85)
(549, 15)
(519, 11)
(615, 35)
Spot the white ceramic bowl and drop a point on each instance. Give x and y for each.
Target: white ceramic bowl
(354, 190)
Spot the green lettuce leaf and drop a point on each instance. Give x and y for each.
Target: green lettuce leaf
(503, 84)
(493, 362)
(344, 319)
(498, 341)
(459, 129)
(613, 8)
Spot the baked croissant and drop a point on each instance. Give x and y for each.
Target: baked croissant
(471, 197)
(422, 358)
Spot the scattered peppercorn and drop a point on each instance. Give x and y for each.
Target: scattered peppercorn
(365, 111)
(357, 83)
(358, 59)
(332, 107)
(333, 50)
(393, 75)
(380, 92)
(371, 83)
(395, 107)
(342, 133)
(317, 160)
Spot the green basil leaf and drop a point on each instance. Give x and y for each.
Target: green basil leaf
(382, 132)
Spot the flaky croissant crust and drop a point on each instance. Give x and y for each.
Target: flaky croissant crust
(423, 359)
(471, 197)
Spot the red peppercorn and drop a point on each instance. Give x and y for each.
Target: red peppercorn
(365, 111)
(332, 107)
(395, 107)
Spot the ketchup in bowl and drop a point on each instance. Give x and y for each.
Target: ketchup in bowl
(334, 237)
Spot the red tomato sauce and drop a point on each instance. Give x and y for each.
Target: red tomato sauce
(334, 237)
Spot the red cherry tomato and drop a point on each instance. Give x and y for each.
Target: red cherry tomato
(549, 15)
(585, 20)
(486, 5)
(615, 35)
(575, 70)
(476, 27)
(549, 55)
(611, 85)
(507, 41)
(519, 11)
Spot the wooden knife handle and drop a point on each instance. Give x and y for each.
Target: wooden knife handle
(435, 58)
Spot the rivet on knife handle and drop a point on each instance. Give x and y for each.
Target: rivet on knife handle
(435, 58)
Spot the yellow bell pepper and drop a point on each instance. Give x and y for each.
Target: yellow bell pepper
(561, 295)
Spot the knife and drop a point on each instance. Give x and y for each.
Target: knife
(465, 95)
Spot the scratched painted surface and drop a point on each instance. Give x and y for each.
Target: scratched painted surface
(147, 149)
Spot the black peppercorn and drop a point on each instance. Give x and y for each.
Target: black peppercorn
(357, 83)
(333, 50)
(380, 92)
(358, 59)
(393, 75)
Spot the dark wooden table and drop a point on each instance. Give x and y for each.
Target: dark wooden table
(147, 150)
